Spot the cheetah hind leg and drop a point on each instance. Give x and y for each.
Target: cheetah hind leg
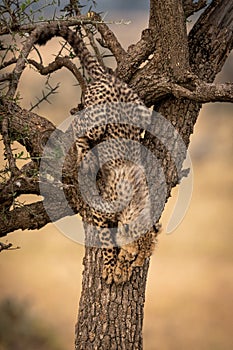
(124, 265)
(119, 262)
(146, 245)
(133, 255)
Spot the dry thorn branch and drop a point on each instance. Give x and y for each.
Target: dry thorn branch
(57, 64)
(5, 246)
(70, 22)
(8, 63)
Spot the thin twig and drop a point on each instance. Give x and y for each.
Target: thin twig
(77, 20)
(57, 64)
(51, 91)
(8, 63)
(4, 246)
(94, 46)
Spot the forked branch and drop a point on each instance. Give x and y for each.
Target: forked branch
(57, 64)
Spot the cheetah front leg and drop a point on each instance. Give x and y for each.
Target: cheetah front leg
(109, 252)
(128, 252)
(109, 264)
(133, 255)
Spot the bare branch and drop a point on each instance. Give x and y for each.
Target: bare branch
(109, 38)
(28, 28)
(31, 217)
(34, 216)
(5, 246)
(58, 64)
(45, 95)
(8, 63)
(98, 55)
(196, 90)
(205, 92)
(15, 187)
(20, 64)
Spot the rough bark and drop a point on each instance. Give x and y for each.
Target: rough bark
(110, 316)
(102, 306)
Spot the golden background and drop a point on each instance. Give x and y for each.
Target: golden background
(189, 292)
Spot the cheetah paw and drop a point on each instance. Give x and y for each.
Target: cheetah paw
(122, 272)
(108, 273)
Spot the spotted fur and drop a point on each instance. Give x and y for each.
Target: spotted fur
(124, 202)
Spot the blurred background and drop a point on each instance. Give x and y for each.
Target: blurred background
(190, 284)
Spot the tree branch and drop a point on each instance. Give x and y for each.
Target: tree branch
(6, 76)
(195, 90)
(170, 61)
(8, 63)
(205, 92)
(30, 217)
(28, 28)
(16, 186)
(109, 38)
(20, 64)
(211, 37)
(7, 144)
(35, 31)
(137, 54)
(29, 129)
(57, 64)
(211, 40)
(94, 46)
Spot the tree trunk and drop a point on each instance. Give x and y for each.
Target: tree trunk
(170, 71)
(111, 316)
